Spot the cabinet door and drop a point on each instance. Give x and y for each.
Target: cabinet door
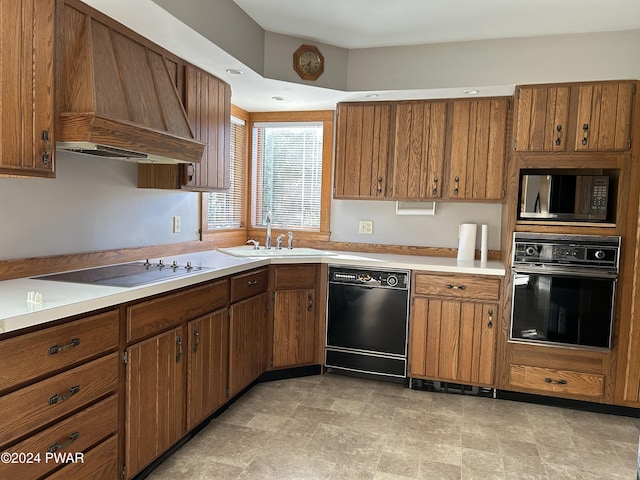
(542, 113)
(155, 397)
(604, 117)
(247, 342)
(452, 340)
(26, 87)
(208, 107)
(294, 328)
(478, 144)
(419, 150)
(362, 151)
(207, 366)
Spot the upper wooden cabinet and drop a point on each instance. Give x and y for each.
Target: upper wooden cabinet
(26, 93)
(362, 150)
(574, 117)
(420, 131)
(478, 147)
(208, 106)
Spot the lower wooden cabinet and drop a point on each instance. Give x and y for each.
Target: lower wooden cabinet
(553, 381)
(451, 338)
(155, 397)
(247, 342)
(99, 463)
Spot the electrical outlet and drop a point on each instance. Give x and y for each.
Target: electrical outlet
(365, 227)
(177, 224)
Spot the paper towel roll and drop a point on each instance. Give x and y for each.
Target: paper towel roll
(483, 244)
(467, 242)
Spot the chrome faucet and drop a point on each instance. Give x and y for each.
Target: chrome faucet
(256, 244)
(279, 241)
(290, 241)
(267, 243)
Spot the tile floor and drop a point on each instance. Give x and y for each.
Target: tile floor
(339, 427)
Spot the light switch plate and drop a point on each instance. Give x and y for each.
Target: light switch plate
(177, 224)
(365, 227)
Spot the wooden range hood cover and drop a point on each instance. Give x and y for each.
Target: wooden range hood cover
(116, 96)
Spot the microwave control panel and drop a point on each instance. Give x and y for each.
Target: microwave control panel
(600, 195)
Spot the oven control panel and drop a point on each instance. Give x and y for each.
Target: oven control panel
(577, 250)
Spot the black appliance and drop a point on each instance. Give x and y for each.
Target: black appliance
(564, 289)
(564, 197)
(367, 320)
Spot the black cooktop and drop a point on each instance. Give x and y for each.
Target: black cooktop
(125, 275)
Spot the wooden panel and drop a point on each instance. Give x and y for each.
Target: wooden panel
(155, 406)
(560, 358)
(353, 153)
(207, 370)
(540, 111)
(35, 354)
(449, 340)
(249, 284)
(99, 463)
(31, 407)
(557, 382)
(75, 434)
(434, 322)
(463, 134)
(493, 168)
(418, 337)
(487, 319)
(294, 328)
(457, 286)
(294, 277)
(153, 316)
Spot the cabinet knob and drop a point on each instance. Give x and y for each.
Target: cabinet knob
(490, 323)
(435, 186)
(456, 188)
(180, 350)
(585, 133)
(559, 135)
(310, 305)
(197, 335)
(379, 188)
(46, 147)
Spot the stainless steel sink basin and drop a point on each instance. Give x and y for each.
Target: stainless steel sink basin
(124, 275)
(249, 251)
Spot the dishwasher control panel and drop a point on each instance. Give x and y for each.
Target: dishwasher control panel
(368, 277)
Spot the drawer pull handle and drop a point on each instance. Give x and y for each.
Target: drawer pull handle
(490, 312)
(559, 137)
(556, 382)
(59, 446)
(456, 188)
(456, 287)
(61, 348)
(251, 283)
(53, 399)
(310, 305)
(197, 335)
(435, 186)
(180, 350)
(585, 133)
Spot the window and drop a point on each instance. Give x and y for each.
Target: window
(291, 165)
(226, 209)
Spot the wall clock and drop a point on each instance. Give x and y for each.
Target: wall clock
(308, 62)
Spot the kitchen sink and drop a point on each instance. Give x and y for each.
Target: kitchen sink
(249, 251)
(125, 275)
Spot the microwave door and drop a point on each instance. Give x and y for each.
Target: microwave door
(536, 196)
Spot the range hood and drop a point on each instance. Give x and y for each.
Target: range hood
(117, 97)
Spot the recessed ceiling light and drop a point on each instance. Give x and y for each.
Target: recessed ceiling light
(471, 92)
(278, 99)
(234, 71)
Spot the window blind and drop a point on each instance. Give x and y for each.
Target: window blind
(287, 174)
(226, 209)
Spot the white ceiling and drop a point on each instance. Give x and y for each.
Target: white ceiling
(378, 23)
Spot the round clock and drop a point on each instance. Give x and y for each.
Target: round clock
(308, 62)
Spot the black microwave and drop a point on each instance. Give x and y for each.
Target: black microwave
(564, 197)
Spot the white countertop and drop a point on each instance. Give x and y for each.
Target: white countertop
(63, 299)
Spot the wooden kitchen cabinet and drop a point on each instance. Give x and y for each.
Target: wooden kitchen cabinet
(362, 149)
(207, 366)
(418, 158)
(27, 87)
(452, 328)
(476, 169)
(295, 315)
(593, 117)
(155, 398)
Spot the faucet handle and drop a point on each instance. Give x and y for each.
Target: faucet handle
(290, 242)
(279, 242)
(256, 244)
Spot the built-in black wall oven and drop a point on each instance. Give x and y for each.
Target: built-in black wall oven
(564, 289)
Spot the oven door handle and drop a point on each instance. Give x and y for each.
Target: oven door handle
(574, 272)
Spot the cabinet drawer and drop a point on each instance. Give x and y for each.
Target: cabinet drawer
(154, 316)
(34, 354)
(30, 407)
(294, 277)
(75, 434)
(249, 284)
(466, 287)
(99, 463)
(548, 380)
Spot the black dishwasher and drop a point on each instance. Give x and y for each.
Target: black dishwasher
(367, 320)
